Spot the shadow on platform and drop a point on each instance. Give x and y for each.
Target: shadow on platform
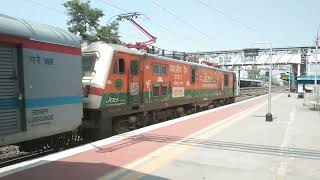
(264, 116)
(220, 145)
(59, 170)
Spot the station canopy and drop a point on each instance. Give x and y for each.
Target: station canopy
(312, 58)
(261, 59)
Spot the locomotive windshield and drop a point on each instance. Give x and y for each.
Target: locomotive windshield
(88, 62)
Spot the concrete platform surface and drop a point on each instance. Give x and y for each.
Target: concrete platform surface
(230, 142)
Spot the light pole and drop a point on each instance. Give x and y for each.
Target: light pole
(316, 64)
(289, 79)
(269, 114)
(238, 81)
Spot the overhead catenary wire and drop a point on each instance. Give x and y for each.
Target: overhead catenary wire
(106, 3)
(180, 19)
(234, 19)
(144, 18)
(46, 7)
(114, 6)
(179, 35)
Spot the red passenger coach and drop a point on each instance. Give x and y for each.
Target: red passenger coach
(126, 88)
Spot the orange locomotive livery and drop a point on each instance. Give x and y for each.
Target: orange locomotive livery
(126, 88)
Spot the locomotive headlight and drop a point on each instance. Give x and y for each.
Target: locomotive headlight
(86, 91)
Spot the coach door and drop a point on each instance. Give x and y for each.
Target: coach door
(134, 87)
(9, 90)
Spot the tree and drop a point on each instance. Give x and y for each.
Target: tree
(84, 22)
(109, 33)
(254, 73)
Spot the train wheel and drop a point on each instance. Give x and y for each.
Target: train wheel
(55, 143)
(121, 126)
(26, 147)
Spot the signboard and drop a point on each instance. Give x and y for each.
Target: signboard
(134, 88)
(177, 92)
(252, 52)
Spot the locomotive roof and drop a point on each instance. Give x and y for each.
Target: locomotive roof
(186, 62)
(114, 47)
(137, 52)
(37, 32)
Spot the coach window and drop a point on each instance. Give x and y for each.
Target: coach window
(226, 79)
(156, 69)
(193, 75)
(119, 66)
(134, 67)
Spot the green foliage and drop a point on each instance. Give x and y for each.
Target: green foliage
(84, 22)
(108, 33)
(254, 73)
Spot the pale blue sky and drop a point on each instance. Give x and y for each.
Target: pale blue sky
(195, 25)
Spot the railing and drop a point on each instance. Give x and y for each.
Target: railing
(312, 99)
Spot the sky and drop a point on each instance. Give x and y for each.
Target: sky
(194, 25)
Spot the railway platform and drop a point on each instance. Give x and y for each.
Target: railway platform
(229, 142)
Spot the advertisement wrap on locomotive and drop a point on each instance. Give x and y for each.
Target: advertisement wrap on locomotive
(126, 88)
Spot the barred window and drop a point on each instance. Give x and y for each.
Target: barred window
(156, 69)
(134, 67)
(163, 70)
(156, 91)
(159, 90)
(163, 90)
(193, 75)
(226, 79)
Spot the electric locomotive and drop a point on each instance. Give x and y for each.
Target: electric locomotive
(125, 88)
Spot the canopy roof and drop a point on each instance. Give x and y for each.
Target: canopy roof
(37, 32)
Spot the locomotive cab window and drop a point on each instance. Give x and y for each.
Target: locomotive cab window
(88, 63)
(226, 79)
(134, 67)
(119, 66)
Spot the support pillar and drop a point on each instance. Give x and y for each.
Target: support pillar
(299, 70)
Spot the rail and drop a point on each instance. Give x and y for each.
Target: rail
(249, 92)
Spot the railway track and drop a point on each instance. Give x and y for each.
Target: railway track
(23, 156)
(10, 155)
(250, 92)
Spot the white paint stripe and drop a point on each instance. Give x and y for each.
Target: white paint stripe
(284, 161)
(70, 152)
